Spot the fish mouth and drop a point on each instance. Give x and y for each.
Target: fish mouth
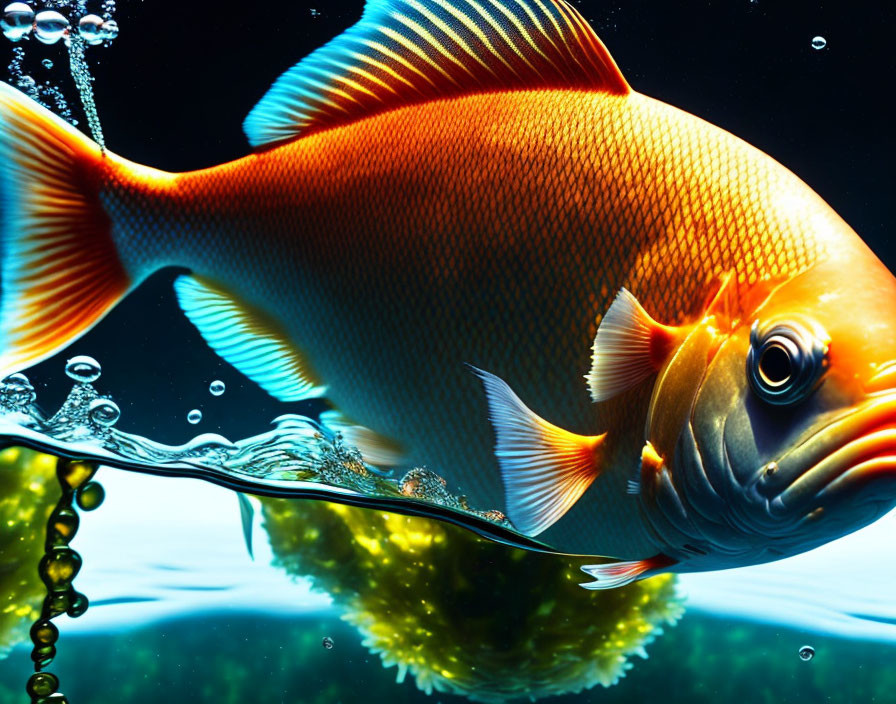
(856, 448)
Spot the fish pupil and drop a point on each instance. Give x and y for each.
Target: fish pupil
(775, 366)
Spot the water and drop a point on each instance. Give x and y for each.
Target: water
(177, 607)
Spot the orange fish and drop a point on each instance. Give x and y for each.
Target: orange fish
(494, 258)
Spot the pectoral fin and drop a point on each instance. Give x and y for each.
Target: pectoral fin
(618, 574)
(376, 449)
(545, 469)
(248, 339)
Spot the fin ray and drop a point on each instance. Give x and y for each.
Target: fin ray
(628, 348)
(618, 574)
(248, 340)
(545, 469)
(60, 269)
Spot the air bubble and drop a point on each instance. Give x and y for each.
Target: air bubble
(217, 388)
(78, 605)
(83, 369)
(104, 411)
(50, 26)
(328, 643)
(17, 21)
(194, 416)
(819, 43)
(47, 63)
(90, 496)
(807, 652)
(42, 684)
(58, 568)
(90, 27)
(109, 30)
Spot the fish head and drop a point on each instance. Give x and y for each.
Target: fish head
(779, 435)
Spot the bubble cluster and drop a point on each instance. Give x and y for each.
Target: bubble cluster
(58, 569)
(16, 393)
(49, 26)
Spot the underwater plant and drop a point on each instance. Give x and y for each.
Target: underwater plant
(464, 615)
(28, 494)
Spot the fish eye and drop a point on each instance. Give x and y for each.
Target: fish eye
(785, 362)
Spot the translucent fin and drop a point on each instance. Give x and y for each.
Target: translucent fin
(248, 339)
(628, 348)
(247, 515)
(60, 270)
(404, 52)
(618, 574)
(375, 448)
(545, 468)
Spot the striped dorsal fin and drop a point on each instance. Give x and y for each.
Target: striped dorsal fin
(404, 52)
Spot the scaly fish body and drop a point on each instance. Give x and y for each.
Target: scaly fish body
(494, 229)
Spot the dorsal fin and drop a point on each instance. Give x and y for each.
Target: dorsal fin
(409, 51)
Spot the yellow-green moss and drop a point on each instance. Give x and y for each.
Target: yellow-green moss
(28, 493)
(464, 615)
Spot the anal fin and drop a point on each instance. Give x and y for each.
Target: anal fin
(545, 469)
(248, 339)
(247, 517)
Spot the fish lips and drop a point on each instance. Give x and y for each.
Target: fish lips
(850, 461)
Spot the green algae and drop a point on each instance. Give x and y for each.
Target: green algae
(28, 496)
(462, 615)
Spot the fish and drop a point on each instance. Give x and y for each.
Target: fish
(461, 227)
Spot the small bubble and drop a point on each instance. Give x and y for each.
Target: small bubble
(41, 684)
(83, 369)
(315, 12)
(194, 416)
(50, 26)
(109, 30)
(72, 473)
(328, 643)
(44, 655)
(17, 21)
(47, 63)
(807, 652)
(819, 43)
(43, 633)
(90, 27)
(63, 525)
(78, 605)
(59, 567)
(90, 496)
(104, 411)
(217, 387)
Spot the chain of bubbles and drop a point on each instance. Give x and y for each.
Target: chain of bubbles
(67, 21)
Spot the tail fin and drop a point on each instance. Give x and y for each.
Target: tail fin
(59, 269)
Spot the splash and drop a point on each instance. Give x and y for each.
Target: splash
(300, 457)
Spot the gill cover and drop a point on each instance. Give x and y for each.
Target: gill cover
(404, 52)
